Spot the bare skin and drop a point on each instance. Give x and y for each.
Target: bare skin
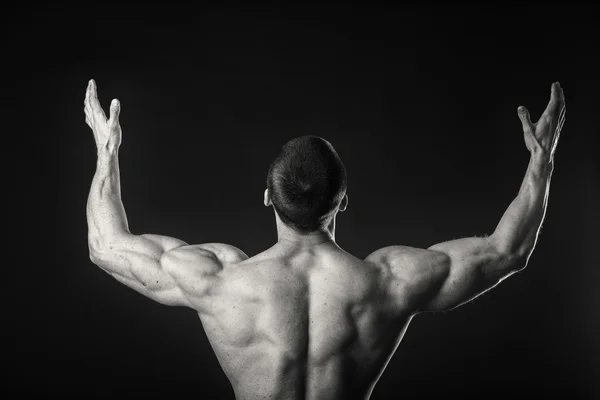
(304, 319)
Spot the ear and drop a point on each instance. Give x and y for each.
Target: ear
(267, 198)
(343, 203)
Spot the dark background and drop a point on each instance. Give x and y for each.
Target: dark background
(420, 103)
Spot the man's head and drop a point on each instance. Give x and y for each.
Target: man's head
(306, 184)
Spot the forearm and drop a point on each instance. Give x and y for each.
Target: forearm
(517, 231)
(105, 212)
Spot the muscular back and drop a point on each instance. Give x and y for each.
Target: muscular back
(299, 323)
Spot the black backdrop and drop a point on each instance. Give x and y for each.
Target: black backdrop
(420, 104)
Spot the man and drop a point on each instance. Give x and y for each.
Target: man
(304, 319)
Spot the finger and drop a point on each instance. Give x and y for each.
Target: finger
(557, 135)
(561, 94)
(561, 118)
(87, 107)
(525, 120)
(94, 102)
(563, 111)
(560, 124)
(555, 100)
(115, 110)
(87, 112)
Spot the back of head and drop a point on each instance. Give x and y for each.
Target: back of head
(306, 181)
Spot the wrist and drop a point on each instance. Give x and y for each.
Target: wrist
(108, 149)
(542, 163)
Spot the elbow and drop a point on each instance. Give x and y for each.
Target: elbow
(513, 258)
(94, 252)
(103, 247)
(517, 262)
(519, 258)
(503, 266)
(97, 248)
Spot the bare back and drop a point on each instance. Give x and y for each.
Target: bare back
(308, 323)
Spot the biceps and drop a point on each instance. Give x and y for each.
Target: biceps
(127, 254)
(475, 267)
(168, 294)
(461, 286)
(135, 262)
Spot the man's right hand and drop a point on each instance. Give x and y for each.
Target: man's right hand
(451, 273)
(106, 132)
(541, 137)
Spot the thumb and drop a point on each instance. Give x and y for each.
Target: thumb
(525, 120)
(115, 110)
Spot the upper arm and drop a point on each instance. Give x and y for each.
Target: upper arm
(411, 274)
(164, 269)
(447, 274)
(475, 265)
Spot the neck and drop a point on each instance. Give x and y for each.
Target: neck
(288, 236)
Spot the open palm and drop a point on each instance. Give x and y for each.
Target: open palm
(106, 132)
(542, 137)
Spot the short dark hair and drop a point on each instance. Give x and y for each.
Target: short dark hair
(306, 181)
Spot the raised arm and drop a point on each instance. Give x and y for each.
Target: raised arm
(162, 268)
(451, 273)
(474, 265)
